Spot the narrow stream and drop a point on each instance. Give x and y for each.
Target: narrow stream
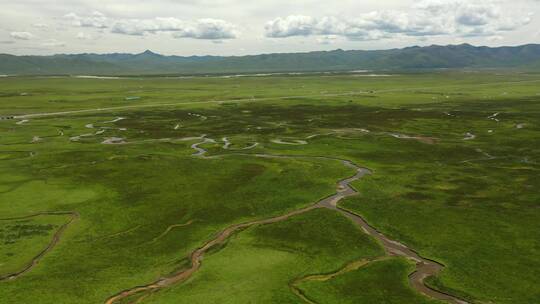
(424, 267)
(56, 238)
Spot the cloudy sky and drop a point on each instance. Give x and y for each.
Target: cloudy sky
(239, 27)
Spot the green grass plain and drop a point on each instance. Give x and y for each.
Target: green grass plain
(23, 239)
(383, 281)
(469, 204)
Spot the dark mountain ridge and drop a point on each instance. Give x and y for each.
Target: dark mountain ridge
(148, 62)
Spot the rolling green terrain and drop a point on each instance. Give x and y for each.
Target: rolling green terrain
(119, 181)
(23, 239)
(382, 281)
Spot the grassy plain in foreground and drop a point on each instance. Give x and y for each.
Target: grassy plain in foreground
(466, 201)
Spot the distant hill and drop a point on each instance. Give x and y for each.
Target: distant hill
(148, 63)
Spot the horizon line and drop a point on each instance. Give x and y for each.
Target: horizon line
(275, 53)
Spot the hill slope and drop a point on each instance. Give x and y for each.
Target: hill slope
(431, 57)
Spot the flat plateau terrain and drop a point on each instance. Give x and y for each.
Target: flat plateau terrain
(323, 188)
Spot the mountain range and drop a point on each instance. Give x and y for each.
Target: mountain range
(149, 63)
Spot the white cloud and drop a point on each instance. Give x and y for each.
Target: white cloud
(496, 38)
(40, 25)
(382, 24)
(83, 36)
(140, 27)
(53, 43)
(211, 29)
(96, 20)
(21, 35)
(371, 26)
(469, 18)
(329, 39)
(427, 18)
(293, 26)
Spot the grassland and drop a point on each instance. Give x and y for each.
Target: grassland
(381, 281)
(24, 239)
(450, 180)
(272, 256)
